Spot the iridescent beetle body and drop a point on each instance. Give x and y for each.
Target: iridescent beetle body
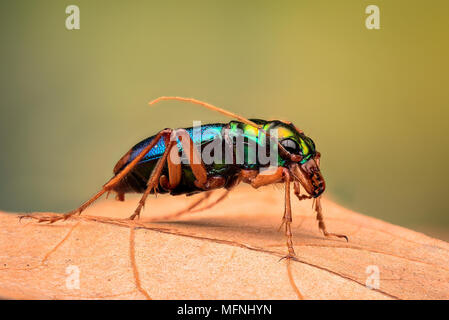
(154, 165)
(136, 179)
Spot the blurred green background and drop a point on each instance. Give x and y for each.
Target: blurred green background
(376, 102)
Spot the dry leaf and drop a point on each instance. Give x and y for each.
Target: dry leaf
(229, 252)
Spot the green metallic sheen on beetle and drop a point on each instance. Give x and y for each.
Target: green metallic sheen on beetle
(294, 140)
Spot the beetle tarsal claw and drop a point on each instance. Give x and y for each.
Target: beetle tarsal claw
(24, 217)
(342, 236)
(37, 217)
(51, 218)
(289, 256)
(48, 219)
(283, 223)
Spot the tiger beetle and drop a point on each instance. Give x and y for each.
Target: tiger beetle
(174, 163)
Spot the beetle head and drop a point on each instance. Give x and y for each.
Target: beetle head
(300, 156)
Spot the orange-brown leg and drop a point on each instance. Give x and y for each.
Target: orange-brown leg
(120, 196)
(287, 219)
(190, 208)
(297, 190)
(153, 181)
(194, 158)
(319, 210)
(321, 225)
(214, 203)
(196, 164)
(258, 180)
(174, 169)
(207, 195)
(108, 186)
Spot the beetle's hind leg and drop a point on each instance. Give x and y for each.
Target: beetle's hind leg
(189, 208)
(109, 186)
(192, 208)
(56, 217)
(153, 181)
(212, 204)
(120, 196)
(171, 153)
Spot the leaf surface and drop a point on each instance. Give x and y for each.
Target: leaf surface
(231, 251)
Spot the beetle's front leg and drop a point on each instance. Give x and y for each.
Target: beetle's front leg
(297, 190)
(257, 180)
(321, 225)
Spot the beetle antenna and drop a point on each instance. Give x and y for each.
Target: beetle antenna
(220, 110)
(208, 106)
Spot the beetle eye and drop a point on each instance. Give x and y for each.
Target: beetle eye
(290, 145)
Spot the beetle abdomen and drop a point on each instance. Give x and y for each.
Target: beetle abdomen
(137, 178)
(206, 134)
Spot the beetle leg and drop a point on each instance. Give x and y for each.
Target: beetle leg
(174, 169)
(153, 181)
(107, 187)
(258, 179)
(219, 199)
(189, 208)
(196, 164)
(119, 176)
(120, 196)
(193, 205)
(321, 225)
(297, 189)
(287, 219)
(207, 195)
(208, 206)
(194, 158)
(213, 204)
(319, 212)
